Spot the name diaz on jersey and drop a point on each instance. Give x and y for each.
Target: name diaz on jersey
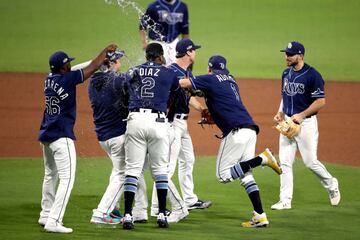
(51, 84)
(149, 72)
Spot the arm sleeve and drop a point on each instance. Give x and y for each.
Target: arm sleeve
(175, 84)
(145, 19)
(200, 82)
(317, 90)
(75, 77)
(185, 23)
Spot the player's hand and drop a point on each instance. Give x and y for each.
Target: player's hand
(298, 118)
(279, 117)
(111, 48)
(144, 45)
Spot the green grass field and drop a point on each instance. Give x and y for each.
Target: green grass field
(249, 33)
(312, 217)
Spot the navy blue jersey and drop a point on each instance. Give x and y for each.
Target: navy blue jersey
(181, 98)
(300, 89)
(223, 99)
(109, 104)
(166, 21)
(150, 85)
(60, 106)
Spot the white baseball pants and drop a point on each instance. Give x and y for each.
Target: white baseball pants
(115, 149)
(145, 135)
(306, 142)
(237, 146)
(177, 203)
(60, 164)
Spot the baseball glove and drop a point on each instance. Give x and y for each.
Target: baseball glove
(206, 118)
(288, 128)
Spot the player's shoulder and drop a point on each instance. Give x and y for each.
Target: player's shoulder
(286, 71)
(314, 73)
(311, 69)
(182, 4)
(205, 77)
(154, 5)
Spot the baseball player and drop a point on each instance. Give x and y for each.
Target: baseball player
(110, 106)
(147, 129)
(181, 146)
(57, 136)
(303, 95)
(165, 20)
(236, 155)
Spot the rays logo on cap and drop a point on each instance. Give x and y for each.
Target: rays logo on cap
(289, 45)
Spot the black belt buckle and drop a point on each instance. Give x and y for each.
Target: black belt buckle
(180, 117)
(160, 119)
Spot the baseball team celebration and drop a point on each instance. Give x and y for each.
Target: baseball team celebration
(172, 119)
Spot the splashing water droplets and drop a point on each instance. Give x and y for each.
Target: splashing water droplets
(144, 19)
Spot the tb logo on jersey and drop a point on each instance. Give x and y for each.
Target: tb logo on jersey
(292, 88)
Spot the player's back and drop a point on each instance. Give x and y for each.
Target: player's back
(150, 85)
(106, 96)
(60, 101)
(224, 101)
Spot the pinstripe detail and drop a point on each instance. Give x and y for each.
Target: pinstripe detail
(67, 188)
(292, 100)
(219, 162)
(108, 210)
(177, 200)
(161, 182)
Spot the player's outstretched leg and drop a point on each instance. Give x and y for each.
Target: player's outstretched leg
(270, 161)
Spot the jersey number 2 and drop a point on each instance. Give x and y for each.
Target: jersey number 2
(148, 84)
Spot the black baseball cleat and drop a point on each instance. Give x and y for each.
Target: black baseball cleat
(200, 204)
(128, 222)
(162, 221)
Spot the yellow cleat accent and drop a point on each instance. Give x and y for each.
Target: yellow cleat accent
(258, 220)
(270, 161)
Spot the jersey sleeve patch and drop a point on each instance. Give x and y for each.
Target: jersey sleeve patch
(318, 93)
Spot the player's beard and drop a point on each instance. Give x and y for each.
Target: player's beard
(292, 63)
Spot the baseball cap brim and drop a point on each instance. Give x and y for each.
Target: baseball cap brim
(289, 51)
(196, 47)
(70, 59)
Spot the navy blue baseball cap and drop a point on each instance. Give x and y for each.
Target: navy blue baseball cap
(294, 48)
(185, 45)
(58, 59)
(217, 64)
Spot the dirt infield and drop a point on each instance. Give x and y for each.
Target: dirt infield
(21, 106)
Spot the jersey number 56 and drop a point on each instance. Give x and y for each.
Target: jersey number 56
(52, 107)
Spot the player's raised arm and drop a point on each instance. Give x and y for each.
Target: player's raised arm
(96, 62)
